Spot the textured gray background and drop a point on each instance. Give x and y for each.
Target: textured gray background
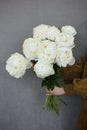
(21, 100)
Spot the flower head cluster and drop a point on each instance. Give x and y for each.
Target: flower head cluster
(48, 46)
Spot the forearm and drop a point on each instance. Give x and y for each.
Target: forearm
(78, 86)
(68, 88)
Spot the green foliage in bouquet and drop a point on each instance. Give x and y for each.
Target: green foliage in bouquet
(53, 80)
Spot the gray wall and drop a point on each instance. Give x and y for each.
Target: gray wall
(21, 100)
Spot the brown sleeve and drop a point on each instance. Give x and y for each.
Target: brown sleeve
(69, 89)
(71, 75)
(79, 87)
(74, 71)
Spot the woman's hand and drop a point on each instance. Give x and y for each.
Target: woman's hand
(56, 91)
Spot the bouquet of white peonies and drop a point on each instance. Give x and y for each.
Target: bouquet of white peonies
(47, 52)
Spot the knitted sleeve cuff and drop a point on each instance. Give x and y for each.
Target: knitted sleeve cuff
(69, 89)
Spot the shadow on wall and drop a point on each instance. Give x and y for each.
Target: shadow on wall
(81, 41)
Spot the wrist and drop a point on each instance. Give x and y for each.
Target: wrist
(62, 91)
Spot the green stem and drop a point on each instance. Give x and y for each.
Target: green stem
(50, 104)
(61, 100)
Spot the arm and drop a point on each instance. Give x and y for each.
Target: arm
(72, 72)
(78, 86)
(71, 83)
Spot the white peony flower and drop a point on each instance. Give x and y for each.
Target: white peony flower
(65, 40)
(69, 30)
(47, 51)
(64, 57)
(30, 48)
(17, 65)
(40, 31)
(43, 70)
(52, 32)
